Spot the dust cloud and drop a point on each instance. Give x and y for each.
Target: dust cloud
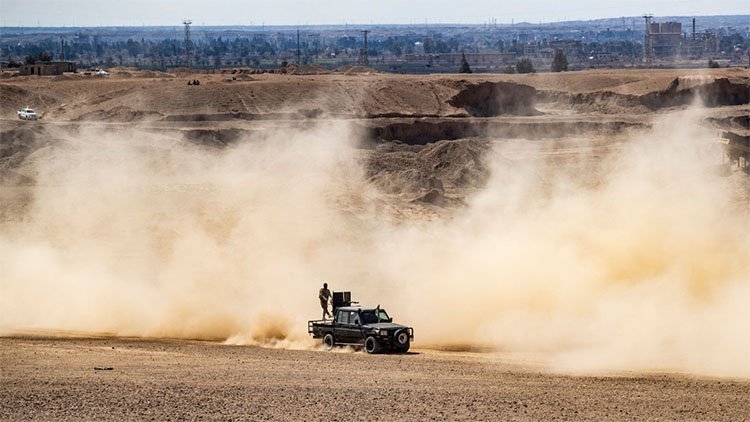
(136, 233)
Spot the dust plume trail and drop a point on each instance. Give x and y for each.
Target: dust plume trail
(139, 234)
(648, 269)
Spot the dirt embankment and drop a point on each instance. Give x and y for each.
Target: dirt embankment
(606, 102)
(488, 99)
(421, 132)
(16, 145)
(413, 167)
(150, 97)
(731, 122)
(120, 114)
(436, 173)
(390, 112)
(680, 92)
(13, 97)
(227, 117)
(718, 92)
(215, 137)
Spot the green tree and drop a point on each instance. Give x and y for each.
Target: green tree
(729, 42)
(560, 62)
(524, 66)
(464, 65)
(133, 47)
(44, 56)
(396, 49)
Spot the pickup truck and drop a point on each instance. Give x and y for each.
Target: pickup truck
(368, 327)
(27, 114)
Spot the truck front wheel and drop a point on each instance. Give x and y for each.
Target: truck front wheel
(402, 349)
(401, 341)
(328, 342)
(372, 346)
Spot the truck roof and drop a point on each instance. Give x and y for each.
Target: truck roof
(354, 308)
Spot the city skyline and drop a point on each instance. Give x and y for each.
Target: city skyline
(296, 12)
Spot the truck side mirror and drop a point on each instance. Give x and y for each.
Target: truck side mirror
(356, 322)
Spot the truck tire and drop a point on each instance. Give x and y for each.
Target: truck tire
(328, 342)
(402, 349)
(372, 346)
(401, 341)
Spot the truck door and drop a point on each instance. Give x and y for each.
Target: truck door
(348, 327)
(340, 326)
(355, 327)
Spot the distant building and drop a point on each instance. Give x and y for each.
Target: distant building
(665, 38)
(47, 68)
(530, 49)
(703, 44)
(573, 49)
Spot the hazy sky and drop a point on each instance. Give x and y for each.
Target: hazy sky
(294, 12)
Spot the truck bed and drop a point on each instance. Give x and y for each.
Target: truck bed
(316, 327)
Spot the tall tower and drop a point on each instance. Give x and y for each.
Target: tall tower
(188, 45)
(363, 53)
(647, 45)
(693, 29)
(298, 49)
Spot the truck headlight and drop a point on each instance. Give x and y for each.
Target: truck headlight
(382, 332)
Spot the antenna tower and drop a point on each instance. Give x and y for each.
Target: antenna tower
(188, 45)
(648, 45)
(298, 50)
(363, 53)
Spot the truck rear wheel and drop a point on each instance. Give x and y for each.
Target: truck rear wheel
(328, 342)
(372, 346)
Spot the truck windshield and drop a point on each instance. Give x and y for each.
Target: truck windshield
(374, 316)
(382, 316)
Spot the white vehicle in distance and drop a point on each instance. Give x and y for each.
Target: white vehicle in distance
(102, 72)
(27, 114)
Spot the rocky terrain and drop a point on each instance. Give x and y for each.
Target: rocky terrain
(395, 117)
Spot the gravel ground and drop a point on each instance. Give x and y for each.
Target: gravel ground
(56, 379)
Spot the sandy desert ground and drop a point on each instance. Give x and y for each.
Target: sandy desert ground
(584, 233)
(56, 379)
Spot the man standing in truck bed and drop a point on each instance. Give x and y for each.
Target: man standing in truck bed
(324, 295)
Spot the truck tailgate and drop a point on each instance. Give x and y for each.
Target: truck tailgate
(319, 324)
